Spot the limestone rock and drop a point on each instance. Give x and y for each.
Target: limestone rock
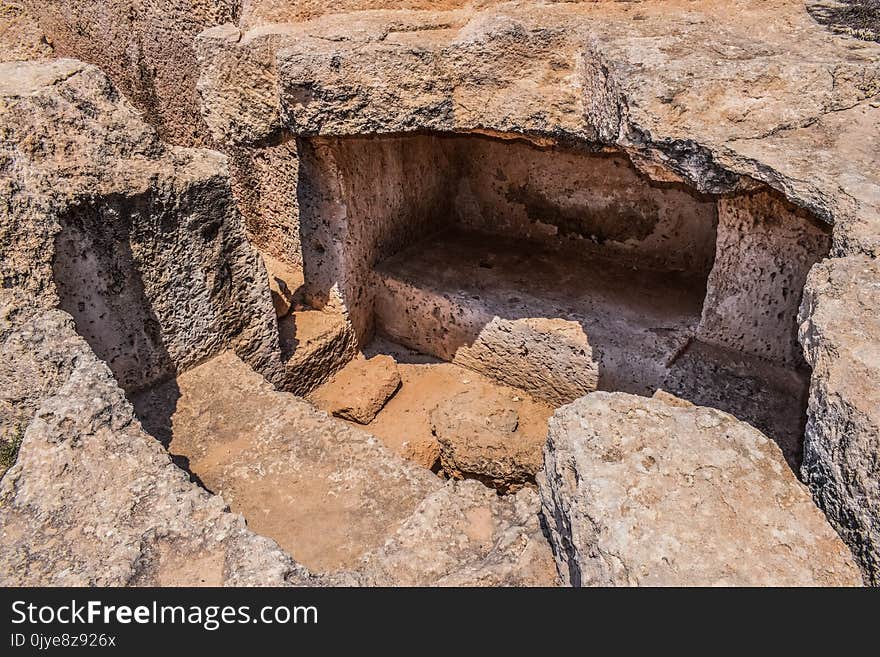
(314, 345)
(840, 332)
(638, 491)
(360, 390)
(665, 86)
(764, 250)
(21, 36)
(264, 181)
(93, 500)
(464, 534)
(332, 495)
(141, 243)
(478, 438)
(145, 47)
(284, 282)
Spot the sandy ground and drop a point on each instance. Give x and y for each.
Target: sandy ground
(404, 425)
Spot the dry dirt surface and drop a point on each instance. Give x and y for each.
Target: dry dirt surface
(407, 424)
(332, 495)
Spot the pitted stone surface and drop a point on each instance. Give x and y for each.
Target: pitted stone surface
(641, 491)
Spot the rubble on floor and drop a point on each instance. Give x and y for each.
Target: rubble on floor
(360, 390)
(328, 492)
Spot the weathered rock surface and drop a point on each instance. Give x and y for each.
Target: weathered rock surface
(314, 345)
(840, 332)
(264, 181)
(641, 491)
(145, 47)
(95, 500)
(763, 253)
(687, 92)
(479, 439)
(360, 390)
(140, 242)
(21, 36)
(464, 534)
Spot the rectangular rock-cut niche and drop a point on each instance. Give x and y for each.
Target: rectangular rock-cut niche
(363, 200)
(561, 271)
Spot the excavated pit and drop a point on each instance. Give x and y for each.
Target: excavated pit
(499, 280)
(560, 271)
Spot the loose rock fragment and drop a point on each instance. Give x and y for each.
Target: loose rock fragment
(479, 439)
(360, 390)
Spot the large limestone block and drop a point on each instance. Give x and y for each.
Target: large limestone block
(840, 332)
(656, 491)
(94, 500)
(140, 242)
(145, 47)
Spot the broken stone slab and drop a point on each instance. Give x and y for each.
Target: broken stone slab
(464, 534)
(840, 333)
(479, 439)
(641, 491)
(360, 389)
(93, 500)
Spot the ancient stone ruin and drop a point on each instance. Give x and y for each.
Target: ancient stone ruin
(462, 293)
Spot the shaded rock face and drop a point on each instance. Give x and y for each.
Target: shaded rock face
(840, 333)
(640, 491)
(764, 250)
(141, 243)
